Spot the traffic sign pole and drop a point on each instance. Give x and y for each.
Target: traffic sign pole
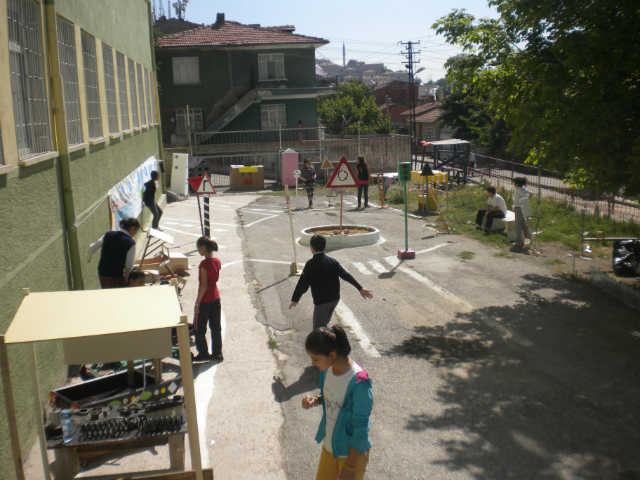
(200, 214)
(297, 174)
(207, 228)
(406, 221)
(404, 176)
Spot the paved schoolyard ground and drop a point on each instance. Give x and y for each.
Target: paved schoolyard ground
(483, 368)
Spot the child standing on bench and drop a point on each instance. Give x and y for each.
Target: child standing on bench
(496, 208)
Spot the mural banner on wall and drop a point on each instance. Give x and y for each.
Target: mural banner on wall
(126, 197)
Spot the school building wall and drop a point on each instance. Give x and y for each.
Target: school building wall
(34, 248)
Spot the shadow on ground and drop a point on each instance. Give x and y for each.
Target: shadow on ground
(565, 408)
(308, 381)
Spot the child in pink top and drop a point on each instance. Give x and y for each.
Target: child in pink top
(207, 308)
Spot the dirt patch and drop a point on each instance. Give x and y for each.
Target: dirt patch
(336, 231)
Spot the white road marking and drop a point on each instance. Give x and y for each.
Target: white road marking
(431, 249)
(258, 212)
(378, 267)
(180, 231)
(464, 305)
(258, 209)
(347, 202)
(180, 219)
(347, 318)
(198, 222)
(218, 230)
(261, 220)
(280, 262)
(361, 268)
(231, 203)
(204, 385)
(170, 223)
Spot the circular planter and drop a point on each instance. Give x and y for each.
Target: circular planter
(371, 237)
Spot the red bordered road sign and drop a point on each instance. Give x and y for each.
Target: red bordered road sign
(202, 185)
(342, 176)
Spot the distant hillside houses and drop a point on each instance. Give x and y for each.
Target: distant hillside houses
(374, 74)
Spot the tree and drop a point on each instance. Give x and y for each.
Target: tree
(472, 120)
(353, 103)
(565, 76)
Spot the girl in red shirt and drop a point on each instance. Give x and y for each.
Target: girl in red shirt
(207, 308)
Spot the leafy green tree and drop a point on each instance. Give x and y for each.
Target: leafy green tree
(353, 103)
(471, 119)
(565, 76)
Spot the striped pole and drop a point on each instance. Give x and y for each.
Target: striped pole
(200, 214)
(207, 229)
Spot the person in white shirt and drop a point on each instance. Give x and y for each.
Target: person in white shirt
(520, 194)
(496, 208)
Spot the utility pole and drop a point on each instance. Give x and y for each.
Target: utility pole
(409, 53)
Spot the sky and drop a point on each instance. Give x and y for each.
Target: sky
(370, 29)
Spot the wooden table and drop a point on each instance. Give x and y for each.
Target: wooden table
(67, 464)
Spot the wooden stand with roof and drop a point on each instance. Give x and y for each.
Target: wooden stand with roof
(124, 323)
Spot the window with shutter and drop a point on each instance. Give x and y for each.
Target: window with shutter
(273, 117)
(271, 67)
(185, 70)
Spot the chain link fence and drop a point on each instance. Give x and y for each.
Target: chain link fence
(549, 184)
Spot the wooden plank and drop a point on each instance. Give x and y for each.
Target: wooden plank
(157, 363)
(38, 411)
(131, 379)
(123, 444)
(66, 465)
(176, 452)
(63, 314)
(187, 475)
(11, 413)
(186, 369)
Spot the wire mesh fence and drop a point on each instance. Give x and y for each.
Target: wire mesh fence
(550, 184)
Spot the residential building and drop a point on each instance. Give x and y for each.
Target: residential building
(77, 115)
(426, 120)
(238, 77)
(398, 94)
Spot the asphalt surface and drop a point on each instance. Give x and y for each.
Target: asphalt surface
(483, 368)
(488, 368)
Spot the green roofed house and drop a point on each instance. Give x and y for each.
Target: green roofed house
(78, 120)
(237, 77)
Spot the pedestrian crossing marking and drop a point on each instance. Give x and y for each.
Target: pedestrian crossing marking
(378, 267)
(362, 268)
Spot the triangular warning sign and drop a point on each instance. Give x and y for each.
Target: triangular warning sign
(326, 165)
(342, 176)
(195, 182)
(206, 187)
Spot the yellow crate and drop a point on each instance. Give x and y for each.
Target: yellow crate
(422, 204)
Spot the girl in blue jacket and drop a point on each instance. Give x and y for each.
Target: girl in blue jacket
(346, 401)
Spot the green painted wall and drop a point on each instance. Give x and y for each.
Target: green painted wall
(33, 255)
(121, 24)
(33, 242)
(305, 109)
(215, 79)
